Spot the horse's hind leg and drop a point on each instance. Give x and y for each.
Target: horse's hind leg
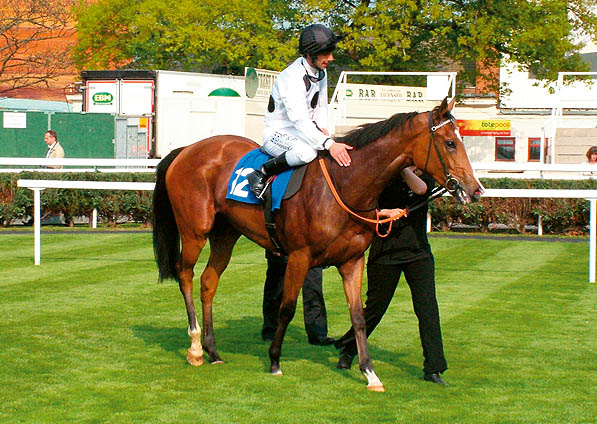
(221, 240)
(189, 255)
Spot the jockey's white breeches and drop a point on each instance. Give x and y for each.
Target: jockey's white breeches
(297, 151)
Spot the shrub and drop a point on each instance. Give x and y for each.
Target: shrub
(559, 216)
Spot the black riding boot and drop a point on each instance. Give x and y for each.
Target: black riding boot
(258, 178)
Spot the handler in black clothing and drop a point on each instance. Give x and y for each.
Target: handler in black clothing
(315, 315)
(406, 250)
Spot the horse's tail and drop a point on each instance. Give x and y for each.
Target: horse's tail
(166, 238)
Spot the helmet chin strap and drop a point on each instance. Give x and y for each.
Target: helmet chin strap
(312, 63)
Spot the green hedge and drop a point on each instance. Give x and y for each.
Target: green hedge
(112, 205)
(559, 216)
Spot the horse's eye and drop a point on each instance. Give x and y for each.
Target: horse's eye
(451, 144)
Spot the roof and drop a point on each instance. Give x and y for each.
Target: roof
(7, 103)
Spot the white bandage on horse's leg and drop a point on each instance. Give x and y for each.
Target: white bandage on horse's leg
(373, 382)
(195, 352)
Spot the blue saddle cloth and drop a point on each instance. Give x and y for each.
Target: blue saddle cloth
(238, 186)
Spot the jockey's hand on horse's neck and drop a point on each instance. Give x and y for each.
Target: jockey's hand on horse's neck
(339, 151)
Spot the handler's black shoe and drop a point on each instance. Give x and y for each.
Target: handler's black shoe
(267, 337)
(345, 360)
(435, 378)
(321, 341)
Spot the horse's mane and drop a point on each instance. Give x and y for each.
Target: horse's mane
(367, 133)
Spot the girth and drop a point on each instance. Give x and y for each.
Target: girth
(293, 187)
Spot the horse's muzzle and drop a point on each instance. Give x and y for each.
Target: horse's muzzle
(464, 196)
(476, 196)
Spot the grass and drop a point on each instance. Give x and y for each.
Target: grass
(89, 336)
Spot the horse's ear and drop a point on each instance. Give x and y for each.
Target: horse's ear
(446, 107)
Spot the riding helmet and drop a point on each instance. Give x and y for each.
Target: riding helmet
(317, 38)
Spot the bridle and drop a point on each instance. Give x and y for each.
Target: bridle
(452, 184)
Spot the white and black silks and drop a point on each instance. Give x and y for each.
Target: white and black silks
(297, 111)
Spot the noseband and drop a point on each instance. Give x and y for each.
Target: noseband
(452, 184)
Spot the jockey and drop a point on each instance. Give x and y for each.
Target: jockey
(296, 117)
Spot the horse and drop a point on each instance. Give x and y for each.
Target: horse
(190, 207)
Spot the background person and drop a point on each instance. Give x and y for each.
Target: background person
(314, 312)
(592, 155)
(297, 116)
(55, 150)
(406, 250)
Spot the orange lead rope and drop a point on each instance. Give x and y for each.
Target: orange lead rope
(376, 221)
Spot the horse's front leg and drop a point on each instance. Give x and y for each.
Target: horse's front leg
(296, 270)
(352, 277)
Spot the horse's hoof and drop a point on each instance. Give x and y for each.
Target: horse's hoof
(194, 360)
(376, 388)
(275, 370)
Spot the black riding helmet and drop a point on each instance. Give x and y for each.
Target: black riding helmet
(317, 38)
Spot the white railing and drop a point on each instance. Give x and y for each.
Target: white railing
(86, 165)
(536, 170)
(38, 185)
(266, 80)
(569, 96)
(590, 195)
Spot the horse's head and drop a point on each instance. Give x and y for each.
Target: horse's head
(445, 157)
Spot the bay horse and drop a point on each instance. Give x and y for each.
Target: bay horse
(190, 207)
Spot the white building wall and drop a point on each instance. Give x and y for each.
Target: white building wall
(186, 113)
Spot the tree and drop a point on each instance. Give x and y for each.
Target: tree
(539, 35)
(396, 35)
(27, 30)
(195, 35)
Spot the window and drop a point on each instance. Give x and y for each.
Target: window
(504, 148)
(535, 149)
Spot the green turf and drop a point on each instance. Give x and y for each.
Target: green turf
(90, 336)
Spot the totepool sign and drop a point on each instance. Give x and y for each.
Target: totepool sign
(102, 98)
(491, 127)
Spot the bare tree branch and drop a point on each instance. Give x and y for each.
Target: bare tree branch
(35, 41)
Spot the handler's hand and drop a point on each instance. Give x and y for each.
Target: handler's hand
(339, 152)
(389, 213)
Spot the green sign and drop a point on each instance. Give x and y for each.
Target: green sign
(102, 99)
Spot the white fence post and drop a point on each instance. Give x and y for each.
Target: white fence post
(37, 225)
(593, 222)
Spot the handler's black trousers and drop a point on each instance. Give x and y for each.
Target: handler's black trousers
(314, 312)
(382, 283)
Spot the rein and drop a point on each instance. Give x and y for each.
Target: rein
(452, 185)
(376, 221)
